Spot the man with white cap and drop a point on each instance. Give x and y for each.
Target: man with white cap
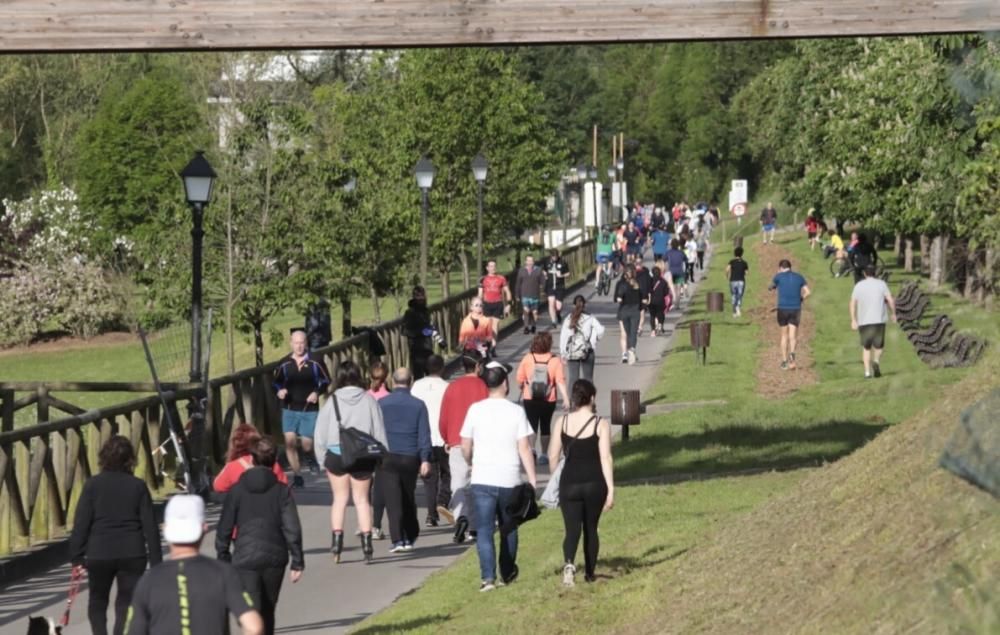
(189, 593)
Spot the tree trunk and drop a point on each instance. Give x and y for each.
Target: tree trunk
(938, 261)
(445, 284)
(230, 285)
(258, 342)
(345, 318)
(972, 271)
(925, 252)
(375, 306)
(908, 254)
(986, 294)
(464, 259)
(898, 249)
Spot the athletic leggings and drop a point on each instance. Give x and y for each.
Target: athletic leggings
(100, 575)
(581, 505)
(701, 259)
(263, 586)
(539, 413)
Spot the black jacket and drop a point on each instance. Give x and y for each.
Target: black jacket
(416, 319)
(266, 520)
(114, 519)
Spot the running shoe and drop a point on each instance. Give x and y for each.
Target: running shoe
(625, 358)
(397, 547)
(631, 357)
(513, 576)
(784, 365)
(568, 572)
(876, 371)
(431, 522)
(527, 330)
(541, 459)
(461, 527)
(486, 585)
(444, 512)
(407, 545)
(298, 482)
(378, 534)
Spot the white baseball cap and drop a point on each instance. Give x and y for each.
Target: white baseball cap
(184, 520)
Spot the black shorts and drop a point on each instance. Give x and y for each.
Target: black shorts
(788, 317)
(493, 309)
(556, 293)
(334, 464)
(811, 235)
(872, 336)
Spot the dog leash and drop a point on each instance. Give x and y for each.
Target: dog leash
(74, 589)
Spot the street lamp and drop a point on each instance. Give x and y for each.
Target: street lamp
(581, 172)
(198, 178)
(479, 169)
(424, 173)
(592, 172)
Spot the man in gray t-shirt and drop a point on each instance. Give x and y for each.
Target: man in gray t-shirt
(871, 305)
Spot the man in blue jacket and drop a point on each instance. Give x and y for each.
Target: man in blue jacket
(408, 431)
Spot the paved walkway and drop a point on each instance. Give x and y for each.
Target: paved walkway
(331, 598)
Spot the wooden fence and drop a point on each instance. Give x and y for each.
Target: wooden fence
(43, 466)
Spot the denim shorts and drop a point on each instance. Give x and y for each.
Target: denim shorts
(302, 423)
(530, 303)
(768, 228)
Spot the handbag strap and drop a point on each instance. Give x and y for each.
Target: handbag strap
(336, 410)
(577, 435)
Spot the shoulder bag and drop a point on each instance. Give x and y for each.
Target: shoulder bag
(357, 448)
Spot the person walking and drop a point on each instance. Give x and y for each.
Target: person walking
(812, 228)
(659, 296)
(691, 255)
(701, 236)
(540, 375)
(792, 290)
(458, 397)
(239, 460)
(556, 272)
(419, 331)
(863, 255)
(190, 593)
(496, 443)
(350, 406)
(495, 294)
(476, 331)
(437, 483)
(299, 381)
(264, 512)
(587, 485)
(871, 306)
(736, 273)
(528, 290)
(408, 431)
(677, 265)
(114, 534)
(578, 342)
(377, 376)
(768, 221)
(629, 298)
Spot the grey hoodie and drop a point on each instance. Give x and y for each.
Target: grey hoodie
(358, 410)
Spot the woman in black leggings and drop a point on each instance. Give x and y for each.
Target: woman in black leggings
(587, 486)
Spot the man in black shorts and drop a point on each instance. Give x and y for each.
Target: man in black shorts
(495, 292)
(556, 272)
(190, 593)
(792, 290)
(869, 301)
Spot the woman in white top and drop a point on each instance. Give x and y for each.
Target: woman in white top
(578, 342)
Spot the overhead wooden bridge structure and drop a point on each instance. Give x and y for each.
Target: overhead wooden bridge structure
(168, 25)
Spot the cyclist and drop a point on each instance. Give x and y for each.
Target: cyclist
(605, 248)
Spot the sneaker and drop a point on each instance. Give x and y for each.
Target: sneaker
(876, 371)
(461, 527)
(527, 330)
(397, 547)
(444, 512)
(631, 357)
(625, 358)
(407, 546)
(784, 365)
(486, 585)
(298, 482)
(533, 329)
(568, 572)
(378, 534)
(868, 375)
(541, 459)
(513, 576)
(431, 522)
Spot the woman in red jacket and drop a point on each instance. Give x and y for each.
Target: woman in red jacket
(238, 459)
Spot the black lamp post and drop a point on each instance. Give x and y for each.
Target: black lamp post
(479, 168)
(424, 173)
(198, 178)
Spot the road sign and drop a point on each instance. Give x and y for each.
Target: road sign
(739, 209)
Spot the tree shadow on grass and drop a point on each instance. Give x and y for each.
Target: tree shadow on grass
(402, 627)
(736, 448)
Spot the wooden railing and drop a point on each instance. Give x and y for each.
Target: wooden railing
(43, 466)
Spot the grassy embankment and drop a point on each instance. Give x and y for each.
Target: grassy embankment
(703, 555)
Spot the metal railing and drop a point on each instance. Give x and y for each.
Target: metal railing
(43, 466)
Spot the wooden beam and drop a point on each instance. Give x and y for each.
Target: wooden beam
(102, 25)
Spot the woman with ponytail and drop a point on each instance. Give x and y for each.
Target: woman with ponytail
(578, 342)
(630, 303)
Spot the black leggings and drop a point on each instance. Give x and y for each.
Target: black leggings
(263, 585)
(581, 505)
(701, 259)
(100, 575)
(539, 413)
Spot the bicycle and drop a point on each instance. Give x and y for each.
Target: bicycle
(604, 275)
(843, 267)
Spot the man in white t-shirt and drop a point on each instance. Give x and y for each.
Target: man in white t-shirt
(437, 483)
(496, 441)
(869, 303)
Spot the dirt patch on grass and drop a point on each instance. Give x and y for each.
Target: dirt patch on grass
(772, 382)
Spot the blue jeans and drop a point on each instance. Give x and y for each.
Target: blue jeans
(736, 288)
(490, 504)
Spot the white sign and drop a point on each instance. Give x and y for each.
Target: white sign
(740, 190)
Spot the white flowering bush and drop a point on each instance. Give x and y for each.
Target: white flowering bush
(58, 229)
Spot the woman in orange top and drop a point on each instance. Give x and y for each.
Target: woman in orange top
(538, 390)
(476, 332)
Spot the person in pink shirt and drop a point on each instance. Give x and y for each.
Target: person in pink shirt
(378, 375)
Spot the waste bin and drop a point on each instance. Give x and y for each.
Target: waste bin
(737, 241)
(701, 338)
(714, 301)
(625, 410)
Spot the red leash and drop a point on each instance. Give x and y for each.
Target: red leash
(74, 589)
